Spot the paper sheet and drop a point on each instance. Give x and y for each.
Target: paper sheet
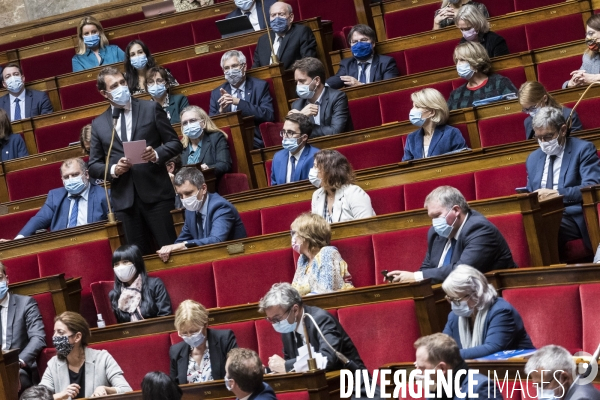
(133, 151)
(301, 364)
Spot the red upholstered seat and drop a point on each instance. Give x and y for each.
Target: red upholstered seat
(161, 39)
(365, 112)
(279, 218)
(123, 41)
(271, 92)
(464, 129)
(268, 166)
(514, 39)
(400, 250)
(269, 341)
(22, 268)
(12, 223)
(232, 183)
(339, 41)
(498, 182)
(270, 133)
(179, 70)
(534, 303)
(553, 74)
(57, 136)
(588, 113)
(385, 321)
(245, 333)
(516, 75)
(419, 59)
(194, 282)
(205, 29)
(252, 222)
(501, 130)
(127, 353)
(201, 100)
(409, 21)
(415, 193)
(21, 43)
(387, 200)
(395, 106)
(259, 272)
(46, 306)
(123, 19)
(55, 63)
(44, 357)
(46, 177)
(513, 230)
(499, 7)
(400, 61)
(590, 301)
(522, 5)
(79, 95)
(556, 30)
(100, 291)
(302, 395)
(510, 391)
(209, 65)
(374, 153)
(342, 13)
(358, 254)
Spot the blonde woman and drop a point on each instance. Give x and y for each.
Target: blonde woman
(433, 138)
(321, 268)
(202, 354)
(93, 49)
(475, 28)
(445, 15)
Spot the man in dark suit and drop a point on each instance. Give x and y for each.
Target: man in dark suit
(365, 66)
(327, 107)
(459, 235)
(290, 42)
(249, 95)
(253, 10)
(294, 162)
(244, 376)
(209, 218)
(141, 194)
(19, 102)
(77, 203)
(562, 166)
(21, 327)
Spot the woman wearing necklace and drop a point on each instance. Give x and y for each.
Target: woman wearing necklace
(430, 114)
(157, 85)
(78, 371)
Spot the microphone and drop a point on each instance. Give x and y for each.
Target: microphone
(274, 59)
(115, 115)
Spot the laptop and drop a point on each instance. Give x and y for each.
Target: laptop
(160, 8)
(234, 26)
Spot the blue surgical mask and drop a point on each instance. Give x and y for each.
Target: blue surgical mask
(290, 144)
(279, 24)
(462, 310)
(284, 326)
(14, 84)
(193, 130)
(3, 289)
(533, 112)
(121, 95)
(91, 41)
(464, 70)
(441, 226)
(74, 185)
(195, 340)
(362, 50)
(304, 91)
(227, 385)
(244, 4)
(157, 90)
(415, 118)
(139, 62)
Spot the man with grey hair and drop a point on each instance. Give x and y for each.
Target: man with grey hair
(242, 93)
(459, 235)
(209, 218)
(552, 371)
(562, 166)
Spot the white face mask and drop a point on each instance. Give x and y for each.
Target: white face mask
(125, 273)
(314, 178)
(551, 148)
(462, 310)
(192, 203)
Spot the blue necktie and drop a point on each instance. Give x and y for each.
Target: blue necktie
(17, 110)
(293, 162)
(74, 211)
(200, 224)
(362, 78)
(448, 258)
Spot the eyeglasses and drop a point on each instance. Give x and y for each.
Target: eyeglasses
(187, 335)
(277, 320)
(364, 40)
(288, 134)
(530, 109)
(548, 137)
(456, 301)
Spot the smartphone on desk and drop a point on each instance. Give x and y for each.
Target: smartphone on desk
(522, 190)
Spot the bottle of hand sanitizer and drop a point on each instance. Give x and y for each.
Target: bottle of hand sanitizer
(101, 323)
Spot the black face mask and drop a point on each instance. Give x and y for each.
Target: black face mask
(62, 345)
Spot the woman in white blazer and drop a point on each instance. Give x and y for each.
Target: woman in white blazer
(78, 371)
(337, 199)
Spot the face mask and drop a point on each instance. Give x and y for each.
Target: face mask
(14, 84)
(592, 45)
(304, 91)
(470, 35)
(362, 50)
(464, 70)
(284, 326)
(62, 345)
(279, 24)
(120, 95)
(74, 185)
(234, 76)
(195, 340)
(313, 178)
(290, 144)
(139, 62)
(193, 130)
(551, 148)
(244, 4)
(227, 385)
(125, 273)
(296, 245)
(462, 310)
(3, 289)
(441, 226)
(91, 40)
(546, 394)
(415, 118)
(157, 90)
(192, 203)
(533, 112)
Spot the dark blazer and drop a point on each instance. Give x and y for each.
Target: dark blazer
(482, 387)
(582, 392)
(334, 113)
(480, 245)
(335, 335)
(503, 330)
(382, 68)
(12, 147)
(155, 301)
(258, 103)
(150, 180)
(25, 328)
(445, 139)
(265, 393)
(36, 103)
(575, 126)
(177, 102)
(298, 42)
(220, 341)
(268, 3)
(214, 153)
(223, 224)
(303, 165)
(579, 168)
(494, 44)
(54, 214)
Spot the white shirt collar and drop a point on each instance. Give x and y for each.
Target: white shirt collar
(4, 303)
(127, 106)
(321, 95)
(242, 87)
(298, 153)
(21, 98)
(84, 195)
(461, 226)
(247, 397)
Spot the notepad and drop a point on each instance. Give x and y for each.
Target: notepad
(134, 150)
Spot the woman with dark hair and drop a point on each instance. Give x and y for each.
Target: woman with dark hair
(138, 60)
(157, 84)
(158, 385)
(337, 199)
(11, 146)
(136, 296)
(590, 68)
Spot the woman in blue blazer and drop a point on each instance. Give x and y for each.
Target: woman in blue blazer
(11, 145)
(433, 138)
(481, 323)
(93, 49)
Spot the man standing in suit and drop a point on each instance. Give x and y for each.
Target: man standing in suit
(77, 203)
(141, 194)
(459, 235)
(209, 218)
(22, 103)
(293, 163)
(21, 327)
(327, 107)
(562, 166)
(365, 66)
(290, 42)
(253, 10)
(244, 376)
(249, 95)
